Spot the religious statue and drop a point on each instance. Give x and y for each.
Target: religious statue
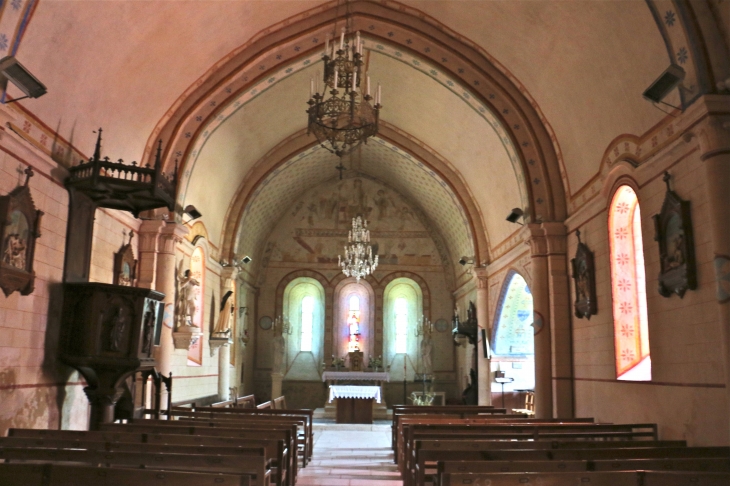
(279, 347)
(354, 325)
(223, 326)
(116, 327)
(150, 316)
(14, 254)
(187, 294)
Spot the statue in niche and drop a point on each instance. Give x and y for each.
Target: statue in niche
(188, 292)
(150, 316)
(116, 326)
(278, 345)
(223, 326)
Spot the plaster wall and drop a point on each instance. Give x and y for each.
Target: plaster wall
(36, 390)
(308, 239)
(686, 395)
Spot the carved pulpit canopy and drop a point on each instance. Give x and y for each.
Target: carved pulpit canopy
(673, 231)
(584, 276)
(20, 226)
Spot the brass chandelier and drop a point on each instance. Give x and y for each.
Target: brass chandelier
(358, 261)
(341, 116)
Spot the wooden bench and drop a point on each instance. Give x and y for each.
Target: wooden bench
(68, 475)
(602, 478)
(304, 417)
(279, 403)
(248, 401)
(287, 470)
(239, 464)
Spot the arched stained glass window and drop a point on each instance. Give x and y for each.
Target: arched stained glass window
(628, 284)
(513, 332)
(353, 321)
(307, 322)
(401, 325)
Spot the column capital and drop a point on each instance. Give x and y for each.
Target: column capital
(229, 273)
(170, 235)
(480, 277)
(533, 235)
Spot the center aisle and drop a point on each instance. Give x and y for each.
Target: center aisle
(351, 455)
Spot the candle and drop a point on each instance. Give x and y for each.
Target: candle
(335, 84)
(354, 81)
(379, 93)
(357, 38)
(342, 39)
(368, 85)
(326, 44)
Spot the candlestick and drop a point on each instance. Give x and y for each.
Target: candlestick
(379, 93)
(326, 44)
(335, 86)
(311, 87)
(342, 39)
(368, 85)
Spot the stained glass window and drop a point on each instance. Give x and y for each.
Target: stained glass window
(353, 321)
(513, 333)
(401, 325)
(307, 321)
(628, 284)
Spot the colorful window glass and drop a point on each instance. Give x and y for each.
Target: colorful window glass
(401, 325)
(353, 321)
(513, 333)
(307, 322)
(628, 284)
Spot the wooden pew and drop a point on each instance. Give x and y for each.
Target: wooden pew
(265, 405)
(427, 456)
(703, 464)
(304, 417)
(459, 411)
(248, 401)
(592, 478)
(224, 404)
(279, 403)
(407, 420)
(67, 475)
(239, 464)
(251, 431)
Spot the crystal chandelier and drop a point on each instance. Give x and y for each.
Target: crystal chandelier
(341, 116)
(358, 261)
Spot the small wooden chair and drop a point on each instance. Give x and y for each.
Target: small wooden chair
(529, 409)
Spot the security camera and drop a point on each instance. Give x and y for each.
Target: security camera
(464, 260)
(246, 259)
(515, 215)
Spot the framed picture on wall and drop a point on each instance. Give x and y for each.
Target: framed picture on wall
(673, 231)
(20, 224)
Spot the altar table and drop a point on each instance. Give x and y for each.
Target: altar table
(354, 403)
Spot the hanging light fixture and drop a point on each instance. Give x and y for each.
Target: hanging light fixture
(341, 116)
(358, 261)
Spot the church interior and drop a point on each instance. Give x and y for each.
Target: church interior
(543, 188)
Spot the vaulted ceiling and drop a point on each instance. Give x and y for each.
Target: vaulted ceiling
(474, 93)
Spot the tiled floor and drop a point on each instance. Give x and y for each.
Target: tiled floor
(351, 455)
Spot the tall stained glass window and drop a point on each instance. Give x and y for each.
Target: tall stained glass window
(628, 284)
(307, 322)
(353, 321)
(401, 325)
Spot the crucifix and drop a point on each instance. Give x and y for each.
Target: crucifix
(340, 168)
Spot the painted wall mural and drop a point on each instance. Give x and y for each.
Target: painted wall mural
(315, 228)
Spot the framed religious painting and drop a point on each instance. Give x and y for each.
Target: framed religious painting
(673, 232)
(125, 265)
(584, 276)
(20, 224)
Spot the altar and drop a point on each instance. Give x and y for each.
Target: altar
(355, 396)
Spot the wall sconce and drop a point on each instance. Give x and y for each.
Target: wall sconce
(515, 215)
(193, 212)
(11, 70)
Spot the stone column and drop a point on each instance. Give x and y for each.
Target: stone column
(561, 351)
(170, 235)
(224, 374)
(714, 140)
(483, 363)
(149, 232)
(276, 379)
(534, 236)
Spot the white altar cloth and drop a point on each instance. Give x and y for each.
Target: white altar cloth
(355, 375)
(351, 391)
